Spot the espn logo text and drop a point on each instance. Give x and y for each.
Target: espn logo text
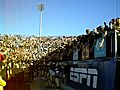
(78, 74)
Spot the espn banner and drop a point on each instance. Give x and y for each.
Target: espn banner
(93, 75)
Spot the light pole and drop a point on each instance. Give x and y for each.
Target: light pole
(40, 8)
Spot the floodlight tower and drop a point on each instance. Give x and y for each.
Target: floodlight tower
(40, 8)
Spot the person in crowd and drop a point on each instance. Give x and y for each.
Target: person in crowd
(2, 82)
(100, 33)
(103, 33)
(90, 37)
(31, 72)
(112, 24)
(52, 75)
(108, 38)
(118, 23)
(67, 74)
(57, 77)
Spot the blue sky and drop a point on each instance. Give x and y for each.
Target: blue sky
(60, 17)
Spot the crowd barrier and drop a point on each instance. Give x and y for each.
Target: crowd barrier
(93, 75)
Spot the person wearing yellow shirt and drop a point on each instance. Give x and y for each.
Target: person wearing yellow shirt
(2, 60)
(2, 83)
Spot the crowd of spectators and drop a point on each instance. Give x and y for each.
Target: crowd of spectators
(22, 48)
(19, 49)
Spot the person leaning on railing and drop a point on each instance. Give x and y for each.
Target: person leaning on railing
(118, 23)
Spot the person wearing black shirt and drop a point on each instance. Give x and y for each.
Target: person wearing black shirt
(67, 73)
